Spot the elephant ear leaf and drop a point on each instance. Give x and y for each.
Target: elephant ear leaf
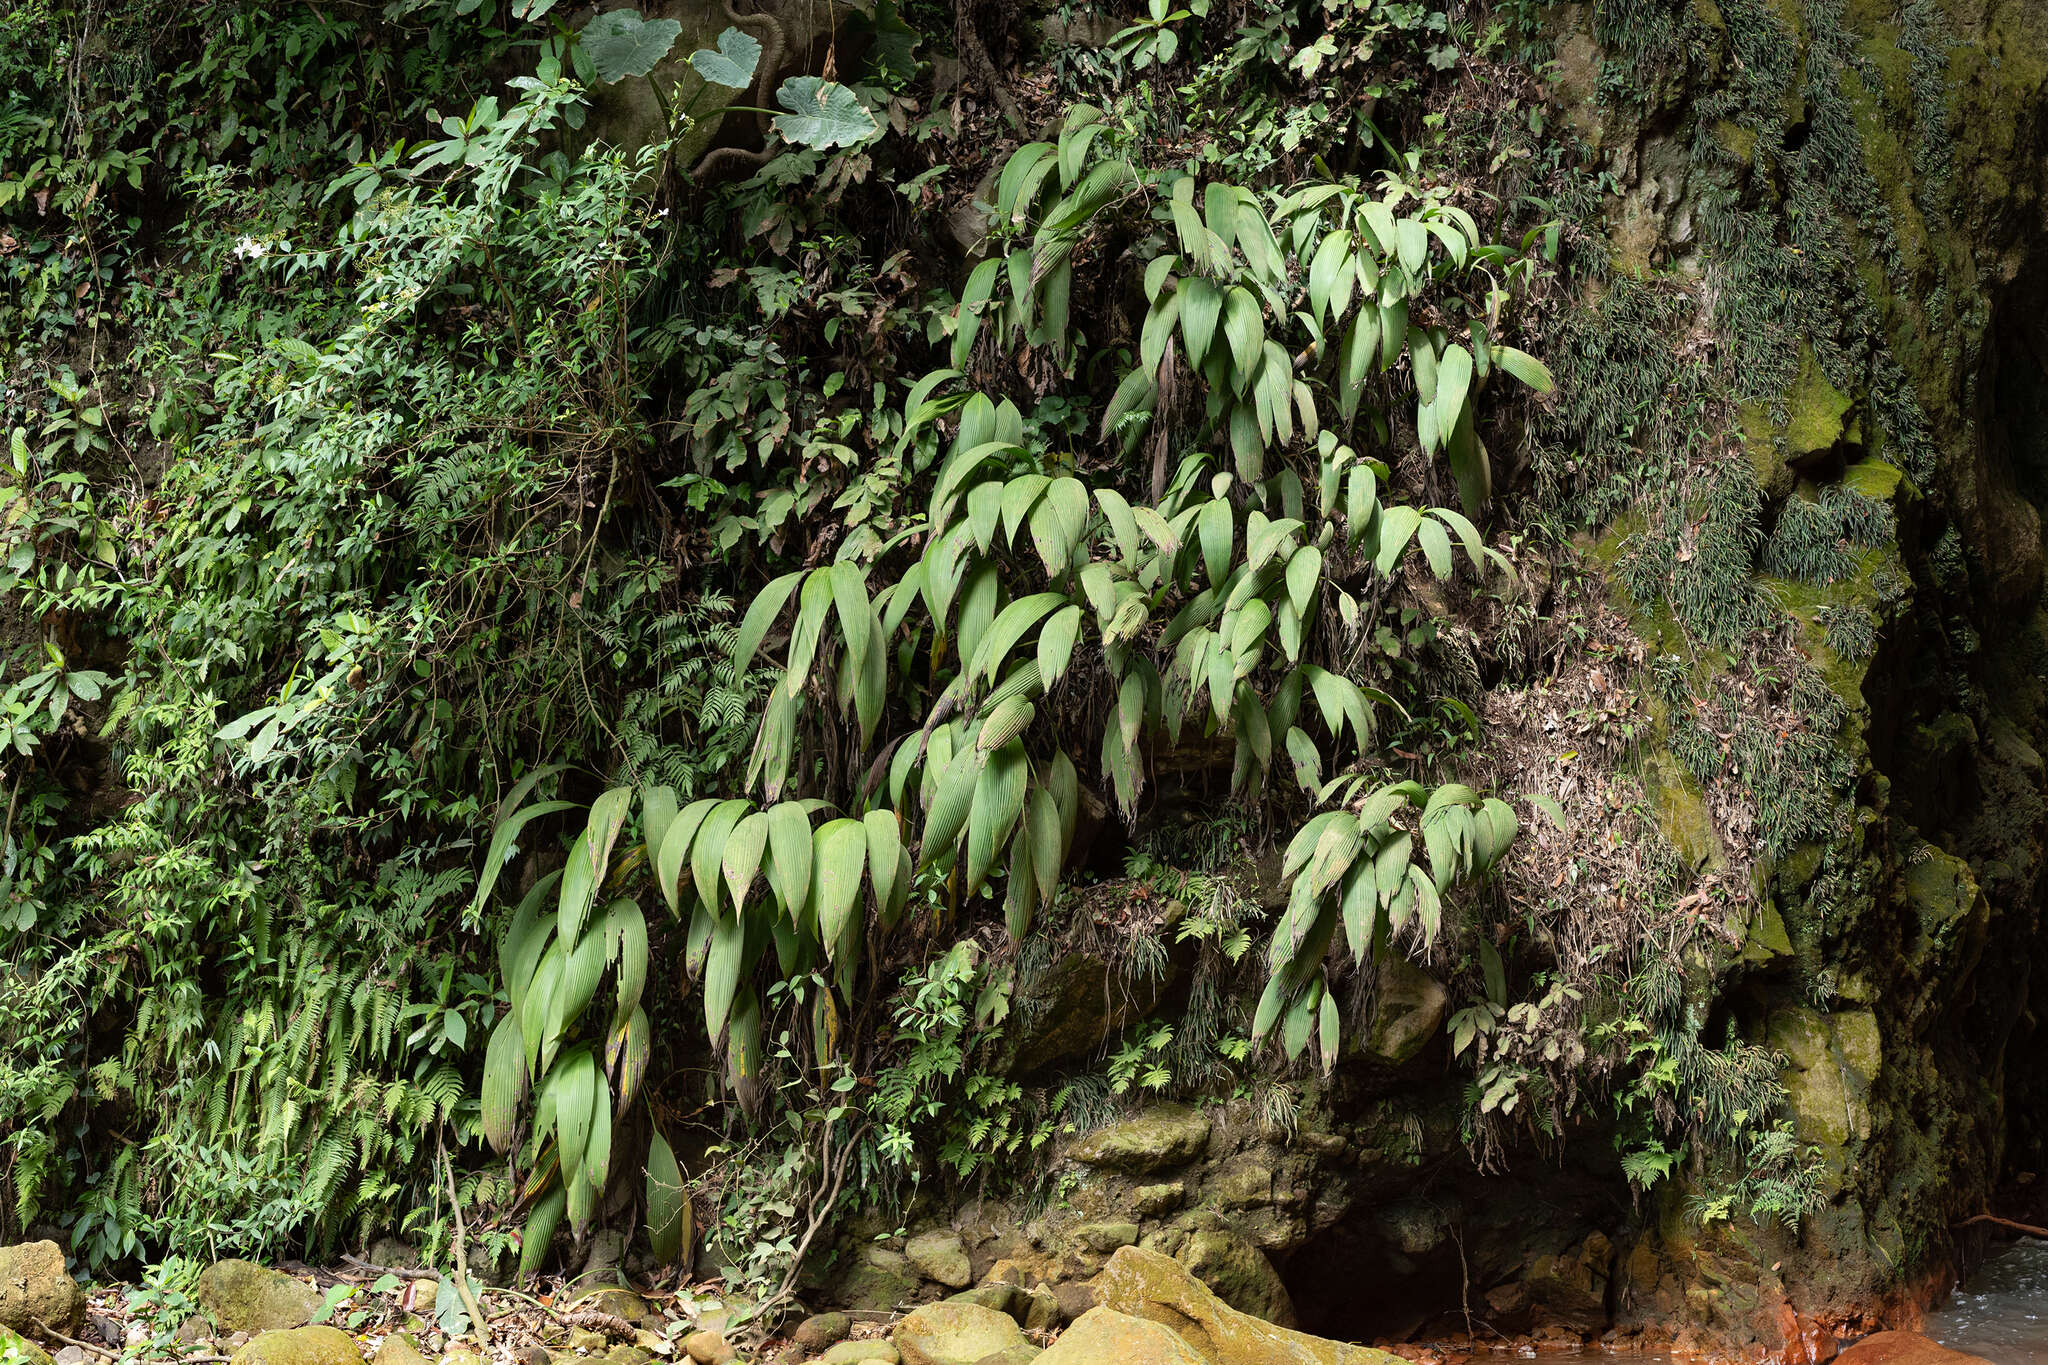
(732, 63)
(623, 42)
(822, 113)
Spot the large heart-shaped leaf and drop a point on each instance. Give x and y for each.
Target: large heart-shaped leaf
(732, 63)
(624, 42)
(822, 113)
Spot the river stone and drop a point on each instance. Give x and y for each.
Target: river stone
(1904, 1348)
(398, 1349)
(300, 1346)
(954, 1334)
(246, 1297)
(941, 1255)
(1148, 1285)
(856, 1352)
(1162, 1137)
(820, 1330)
(34, 1285)
(1105, 1335)
(19, 1350)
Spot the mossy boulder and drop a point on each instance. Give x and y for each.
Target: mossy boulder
(858, 1352)
(1161, 1138)
(821, 1330)
(301, 1346)
(954, 1334)
(1160, 1289)
(399, 1349)
(36, 1288)
(1238, 1272)
(1105, 1335)
(941, 1255)
(880, 1280)
(245, 1297)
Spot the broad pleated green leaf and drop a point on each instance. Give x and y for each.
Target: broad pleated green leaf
(669, 1221)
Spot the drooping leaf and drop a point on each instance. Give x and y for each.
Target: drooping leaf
(732, 63)
(669, 1222)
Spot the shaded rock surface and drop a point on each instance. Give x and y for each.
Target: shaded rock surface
(1145, 1284)
(35, 1286)
(1104, 1336)
(954, 1334)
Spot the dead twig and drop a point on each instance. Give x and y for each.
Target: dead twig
(2026, 1229)
(74, 1341)
(469, 1303)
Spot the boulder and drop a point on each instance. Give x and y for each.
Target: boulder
(941, 1255)
(1904, 1348)
(1154, 1201)
(820, 1330)
(858, 1352)
(1105, 1335)
(245, 1297)
(1408, 1010)
(35, 1287)
(300, 1346)
(954, 1334)
(19, 1350)
(1148, 1285)
(709, 1348)
(398, 1349)
(1160, 1138)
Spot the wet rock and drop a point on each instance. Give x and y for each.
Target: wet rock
(1105, 1335)
(940, 1255)
(1147, 1285)
(1904, 1348)
(35, 1286)
(880, 1280)
(19, 1349)
(954, 1334)
(1160, 1138)
(246, 1297)
(1075, 1298)
(300, 1346)
(398, 1349)
(820, 1330)
(708, 1348)
(1078, 1002)
(856, 1352)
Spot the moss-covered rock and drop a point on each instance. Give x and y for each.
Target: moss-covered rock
(954, 1334)
(300, 1346)
(16, 1349)
(36, 1288)
(1103, 1336)
(245, 1297)
(1160, 1138)
(1147, 1285)
(941, 1256)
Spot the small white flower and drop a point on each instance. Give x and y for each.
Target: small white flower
(249, 248)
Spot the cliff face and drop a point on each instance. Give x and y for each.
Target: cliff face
(1803, 444)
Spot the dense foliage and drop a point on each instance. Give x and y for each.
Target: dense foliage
(519, 636)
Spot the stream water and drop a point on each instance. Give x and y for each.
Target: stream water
(2002, 1313)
